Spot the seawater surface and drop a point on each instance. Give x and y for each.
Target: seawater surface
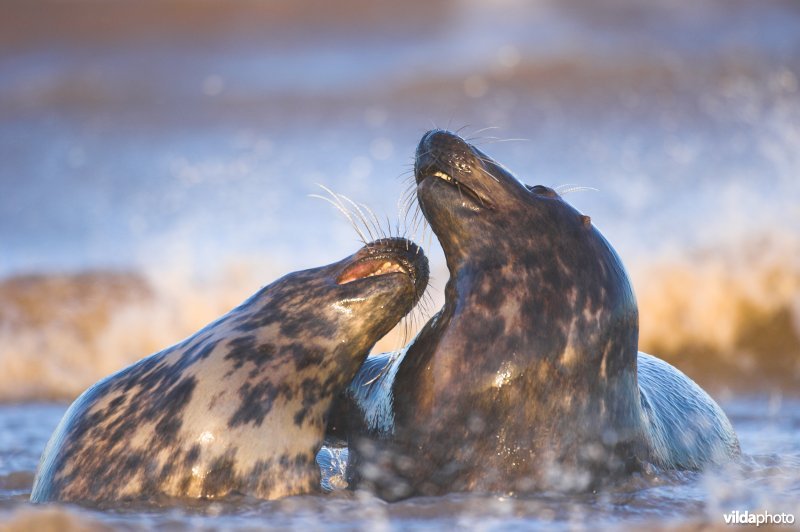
(158, 158)
(767, 479)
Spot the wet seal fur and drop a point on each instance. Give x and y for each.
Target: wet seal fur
(241, 406)
(529, 378)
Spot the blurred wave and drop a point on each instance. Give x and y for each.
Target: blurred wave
(66, 331)
(729, 318)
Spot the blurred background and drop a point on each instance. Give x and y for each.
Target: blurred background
(157, 159)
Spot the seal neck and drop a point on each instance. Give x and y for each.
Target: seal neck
(503, 325)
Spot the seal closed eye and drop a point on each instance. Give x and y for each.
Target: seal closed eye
(529, 378)
(240, 406)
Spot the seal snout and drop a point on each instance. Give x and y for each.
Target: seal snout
(387, 256)
(437, 152)
(445, 158)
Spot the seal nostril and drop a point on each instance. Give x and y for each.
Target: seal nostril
(440, 139)
(441, 150)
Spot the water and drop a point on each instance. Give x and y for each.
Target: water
(767, 479)
(158, 160)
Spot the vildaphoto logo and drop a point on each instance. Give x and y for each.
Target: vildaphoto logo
(757, 518)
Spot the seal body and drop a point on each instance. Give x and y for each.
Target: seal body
(242, 405)
(529, 378)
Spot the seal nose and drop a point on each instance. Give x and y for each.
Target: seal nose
(414, 258)
(435, 151)
(409, 254)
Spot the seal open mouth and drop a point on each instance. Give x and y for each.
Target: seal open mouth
(462, 188)
(371, 268)
(389, 256)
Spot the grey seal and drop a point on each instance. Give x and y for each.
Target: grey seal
(241, 406)
(529, 378)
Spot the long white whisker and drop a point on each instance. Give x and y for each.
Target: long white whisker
(478, 132)
(495, 140)
(346, 214)
(361, 215)
(377, 222)
(565, 189)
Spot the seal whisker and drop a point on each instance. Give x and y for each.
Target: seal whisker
(388, 225)
(408, 199)
(408, 203)
(485, 171)
(481, 130)
(404, 204)
(419, 223)
(360, 215)
(495, 140)
(403, 208)
(427, 227)
(484, 189)
(563, 190)
(357, 214)
(346, 215)
(422, 155)
(386, 233)
(400, 217)
(408, 178)
(365, 222)
(373, 220)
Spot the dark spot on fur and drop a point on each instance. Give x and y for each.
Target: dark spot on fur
(205, 349)
(305, 356)
(299, 416)
(244, 350)
(172, 405)
(191, 455)
(256, 401)
(255, 404)
(221, 478)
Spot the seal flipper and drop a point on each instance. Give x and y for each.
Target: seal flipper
(352, 413)
(354, 409)
(688, 430)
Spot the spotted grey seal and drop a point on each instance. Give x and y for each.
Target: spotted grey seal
(241, 406)
(529, 378)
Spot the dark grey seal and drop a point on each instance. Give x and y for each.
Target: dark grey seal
(530, 377)
(241, 406)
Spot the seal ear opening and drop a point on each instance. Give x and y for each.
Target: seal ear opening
(370, 268)
(542, 190)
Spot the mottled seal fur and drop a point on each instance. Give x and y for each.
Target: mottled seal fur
(242, 405)
(529, 378)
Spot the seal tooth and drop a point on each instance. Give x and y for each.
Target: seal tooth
(442, 175)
